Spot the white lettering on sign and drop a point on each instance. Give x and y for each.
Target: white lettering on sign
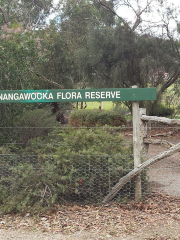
(87, 95)
(5, 97)
(118, 94)
(44, 96)
(74, 95)
(39, 96)
(79, 95)
(69, 95)
(50, 96)
(10, 96)
(33, 96)
(93, 95)
(25, 96)
(15, 96)
(108, 95)
(103, 95)
(21, 97)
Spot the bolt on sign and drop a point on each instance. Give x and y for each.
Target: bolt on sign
(78, 95)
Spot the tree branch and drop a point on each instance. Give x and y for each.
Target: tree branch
(168, 83)
(41, 77)
(158, 142)
(112, 11)
(5, 15)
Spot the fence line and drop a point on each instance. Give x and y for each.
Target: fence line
(137, 170)
(92, 177)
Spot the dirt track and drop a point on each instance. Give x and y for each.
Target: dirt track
(165, 174)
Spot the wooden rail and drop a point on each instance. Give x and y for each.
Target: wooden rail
(163, 120)
(137, 169)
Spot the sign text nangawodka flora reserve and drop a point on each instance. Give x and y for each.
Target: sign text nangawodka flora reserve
(78, 95)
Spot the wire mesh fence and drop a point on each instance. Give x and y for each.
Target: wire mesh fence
(81, 181)
(48, 165)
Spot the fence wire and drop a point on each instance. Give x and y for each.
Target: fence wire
(48, 171)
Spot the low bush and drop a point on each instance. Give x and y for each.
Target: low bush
(30, 124)
(161, 110)
(92, 118)
(69, 165)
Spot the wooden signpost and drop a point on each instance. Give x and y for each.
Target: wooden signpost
(133, 94)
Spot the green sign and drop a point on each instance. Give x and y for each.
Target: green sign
(78, 95)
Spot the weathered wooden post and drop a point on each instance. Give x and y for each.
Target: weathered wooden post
(143, 134)
(139, 135)
(136, 146)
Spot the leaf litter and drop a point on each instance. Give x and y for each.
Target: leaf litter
(108, 220)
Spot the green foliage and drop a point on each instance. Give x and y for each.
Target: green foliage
(21, 51)
(91, 118)
(161, 110)
(22, 55)
(68, 165)
(37, 117)
(30, 124)
(107, 52)
(59, 65)
(121, 108)
(86, 45)
(28, 185)
(28, 12)
(172, 98)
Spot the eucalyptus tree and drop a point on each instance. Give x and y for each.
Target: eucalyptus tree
(31, 13)
(22, 51)
(119, 52)
(152, 43)
(77, 18)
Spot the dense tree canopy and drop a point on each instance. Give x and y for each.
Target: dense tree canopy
(88, 44)
(32, 13)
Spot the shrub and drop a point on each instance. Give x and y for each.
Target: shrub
(92, 118)
(161, 110)
(68, 165)
(28, 186)
(30, 124)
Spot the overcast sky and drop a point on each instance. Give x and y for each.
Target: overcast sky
(130, 16)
